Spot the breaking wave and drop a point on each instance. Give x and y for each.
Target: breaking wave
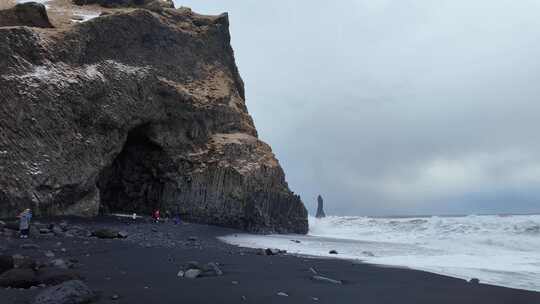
(499, 250)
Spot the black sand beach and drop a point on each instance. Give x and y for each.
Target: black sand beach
(143, 269)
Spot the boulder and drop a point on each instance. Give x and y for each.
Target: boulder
(272, 251)
(6, 263)
(78, 232)
(193, 265)
(70, 292)
(29, 246)
(192, 273)
(105, 234)
(212, 269)
(332, 251)
(59, 263)
(44, 230)
(53, 276)
(25, 14)
(23, 262)
(18, 278)
(57, 230)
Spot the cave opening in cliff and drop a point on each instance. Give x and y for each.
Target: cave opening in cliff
(136, 180)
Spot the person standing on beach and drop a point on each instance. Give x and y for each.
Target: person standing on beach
(156, 216)
(177, 219)
(24, 223)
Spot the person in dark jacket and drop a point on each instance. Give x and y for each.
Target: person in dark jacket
(24, 223)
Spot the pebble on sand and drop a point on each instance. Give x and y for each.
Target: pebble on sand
(192, 273)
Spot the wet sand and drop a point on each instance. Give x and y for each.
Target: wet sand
(143, 269)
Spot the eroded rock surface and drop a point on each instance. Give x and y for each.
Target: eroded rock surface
(126, 3)
(133, 111)
(25, 14)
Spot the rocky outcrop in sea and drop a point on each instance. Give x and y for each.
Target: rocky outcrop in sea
(132, 111)
(320, 208)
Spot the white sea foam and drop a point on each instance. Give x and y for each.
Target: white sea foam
(38, 1)
(499, 250)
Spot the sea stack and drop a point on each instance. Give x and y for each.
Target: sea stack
(320, 208)
(131, 111)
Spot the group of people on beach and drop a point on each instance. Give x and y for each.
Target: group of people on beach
(26, 215)
(156, 216)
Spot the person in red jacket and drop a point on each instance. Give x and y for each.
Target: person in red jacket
(156, 216)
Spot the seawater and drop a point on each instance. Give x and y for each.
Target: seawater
(500, 250)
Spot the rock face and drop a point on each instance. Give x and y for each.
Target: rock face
(320, 208)
(133, 111)
(28, 14)
(126, 3)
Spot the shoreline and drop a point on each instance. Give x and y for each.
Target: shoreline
(143, 268)
(381, 265)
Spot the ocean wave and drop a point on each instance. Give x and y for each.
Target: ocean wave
(500, 250)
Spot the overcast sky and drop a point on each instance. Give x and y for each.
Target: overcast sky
(396, 107)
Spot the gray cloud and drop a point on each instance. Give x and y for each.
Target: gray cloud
(396, 107)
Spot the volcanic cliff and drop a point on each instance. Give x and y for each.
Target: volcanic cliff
(135, 110)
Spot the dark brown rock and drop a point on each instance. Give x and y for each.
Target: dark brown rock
(105, 234)
(27, 14)
(18, 278)
(6, 263)
(131, 112)
(24, 262)
(53, 275)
